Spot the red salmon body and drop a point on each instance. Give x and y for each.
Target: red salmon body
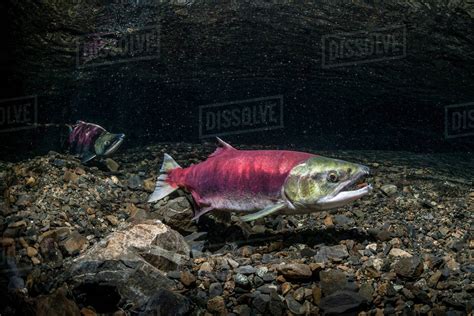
(238, 180)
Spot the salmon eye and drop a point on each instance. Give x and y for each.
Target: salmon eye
(107, 143)
(332, 176)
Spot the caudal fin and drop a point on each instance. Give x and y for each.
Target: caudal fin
(162, 187)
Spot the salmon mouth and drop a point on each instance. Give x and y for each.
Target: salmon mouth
(113, 148)
(348, 191)
(358, 181)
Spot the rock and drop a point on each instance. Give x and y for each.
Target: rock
(35, 261)
(18, 224)
(267, 288)
(31, 252)
(174, 275)
(73, 244)
(215, 289)
(285, 288)
(317, 294)
(241, 280)
(217, 305)
(56, 304)
(258, 229)
(260, 302)
(451, 264)
(276, 305)
(187, 278)
(433, 280)
(165, 302)
(112, 165)
(295, 271)
(246, 270)
(152, 241)
(299, 294)
(366, 291)
(134, 182)
(70, 176)
(295, 307)
(30, 181)
(178, 214)
(333, 253)
(130, 263)
(332, 281)
(328, 221)
(6, 242)
(389, 189)
(88, 312)
(149, 185)
(341, 302)
(409, 267)
(243, 310)
(112, 220)
(397, 252)
(50, 252)
(205, 267)
(261, 271)
(234, 264)
(385, 289)
(343, 220)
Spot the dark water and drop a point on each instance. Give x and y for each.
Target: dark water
(333, 95)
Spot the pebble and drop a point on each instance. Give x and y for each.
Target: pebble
(409, 267)
(112, 165)
(389, 189)
(241, 280)
(217, 305)
(260, 302)
(341, 302)
(246, 270)
(397, 252)
(74, 243)
(294, 306)
(31, 252)
(215, 289)
(332, 281)
(295, 271)
(332, 253)
(112, 220)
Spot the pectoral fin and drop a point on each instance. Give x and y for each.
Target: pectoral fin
(266, 211)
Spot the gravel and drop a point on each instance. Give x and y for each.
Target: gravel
(406, 248)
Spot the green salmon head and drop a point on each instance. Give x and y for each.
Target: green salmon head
(324, 183)
(108, 143)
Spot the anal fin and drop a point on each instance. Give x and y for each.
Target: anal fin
(265, 212)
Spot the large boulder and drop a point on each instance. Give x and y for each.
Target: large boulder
(127, 268)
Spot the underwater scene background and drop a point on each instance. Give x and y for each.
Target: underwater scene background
(385, 84)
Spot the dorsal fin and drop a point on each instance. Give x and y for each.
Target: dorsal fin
(223, 146)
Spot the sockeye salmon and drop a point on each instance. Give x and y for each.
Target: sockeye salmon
(264, 182)
(87, 141)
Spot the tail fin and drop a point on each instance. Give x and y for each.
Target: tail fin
(162, 187)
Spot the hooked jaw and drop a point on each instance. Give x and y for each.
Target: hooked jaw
(347, 191)
(113, 148)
